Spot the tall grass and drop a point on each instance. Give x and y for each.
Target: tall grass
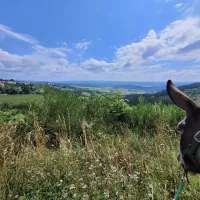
(107, 150)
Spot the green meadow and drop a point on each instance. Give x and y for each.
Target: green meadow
(17, 99)
(97, 147)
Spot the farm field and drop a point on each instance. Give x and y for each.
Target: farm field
(16, 99)
(123, 91)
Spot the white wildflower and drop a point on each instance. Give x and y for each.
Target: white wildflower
(84, 186)
(70, 174)
(85, 197)
(114, 169)
(91, 167)
(74, 195)
(106, 194)
(72, 186)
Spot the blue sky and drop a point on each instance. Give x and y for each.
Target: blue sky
(123, 40)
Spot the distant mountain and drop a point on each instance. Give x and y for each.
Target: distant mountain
(192, 90)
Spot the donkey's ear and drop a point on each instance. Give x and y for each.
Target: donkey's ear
(180, 99)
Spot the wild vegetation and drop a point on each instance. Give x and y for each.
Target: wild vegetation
(66, 146)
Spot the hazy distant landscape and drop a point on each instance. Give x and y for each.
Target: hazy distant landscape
(125, 87)
(31, 90)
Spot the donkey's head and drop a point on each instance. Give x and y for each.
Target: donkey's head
(189, 153)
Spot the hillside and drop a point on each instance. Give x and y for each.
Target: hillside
(68, 147)
(192, 90)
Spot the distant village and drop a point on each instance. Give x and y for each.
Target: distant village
(3, 82)
(11, 86)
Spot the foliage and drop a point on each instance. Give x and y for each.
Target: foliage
(12, 117)
(13, 88)
(58, 108)
(107, 149)
(105, 108)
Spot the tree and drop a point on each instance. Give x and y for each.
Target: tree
(25, 89)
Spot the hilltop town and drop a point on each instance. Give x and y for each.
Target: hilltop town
(10, 86)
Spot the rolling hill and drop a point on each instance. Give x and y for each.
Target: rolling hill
(192, 90)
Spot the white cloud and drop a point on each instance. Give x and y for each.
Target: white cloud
(178, 5)
(84, 45)
(139, 75)
(192, 7)
(64, 44)
(41, 60)
(151, 67)
(60, 51)
(179, 75)
(136, 54)
(5, 31)
(179, 41)
(94, 65)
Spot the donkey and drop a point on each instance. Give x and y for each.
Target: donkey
(189, 152)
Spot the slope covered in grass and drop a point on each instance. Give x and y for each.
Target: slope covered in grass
(99, 147)
(17, 99)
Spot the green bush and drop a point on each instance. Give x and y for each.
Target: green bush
(60, 112)
(105, 108)
(63, 113)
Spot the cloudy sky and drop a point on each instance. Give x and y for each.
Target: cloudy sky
(126, 40)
